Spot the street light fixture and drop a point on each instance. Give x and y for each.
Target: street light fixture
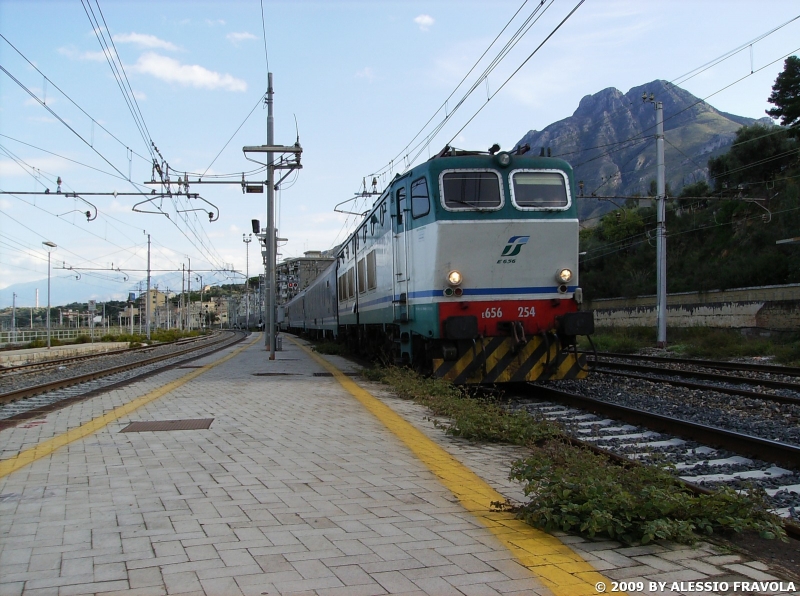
(49, 247)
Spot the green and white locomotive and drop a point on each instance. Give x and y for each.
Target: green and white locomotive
(465, 267)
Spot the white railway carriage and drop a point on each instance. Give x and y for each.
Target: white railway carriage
(466, 266)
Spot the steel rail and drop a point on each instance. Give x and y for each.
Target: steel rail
(765, 449)
(696, 374)
(718, 364)
(704, 387)
(45, 387)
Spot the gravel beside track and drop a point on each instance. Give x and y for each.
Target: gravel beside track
(11, 382)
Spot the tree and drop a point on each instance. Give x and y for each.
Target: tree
(786, 94)
(758, 154)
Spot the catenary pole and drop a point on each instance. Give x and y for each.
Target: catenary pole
(147, 310)
(189, 296)
(661, 237)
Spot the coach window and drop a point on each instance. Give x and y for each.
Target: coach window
(539, 190)
(351, 289)
(362, 274)
(372, 271)
(467, 190)
(420, 202)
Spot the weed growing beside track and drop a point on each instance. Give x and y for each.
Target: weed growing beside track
(573, 489)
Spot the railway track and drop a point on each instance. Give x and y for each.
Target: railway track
(711, 364)
(34, 367)
(33, 400)
(635, 417)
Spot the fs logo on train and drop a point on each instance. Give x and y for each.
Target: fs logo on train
(512, 249)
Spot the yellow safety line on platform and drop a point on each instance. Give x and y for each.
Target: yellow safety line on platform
(12, 464)
(557, 566)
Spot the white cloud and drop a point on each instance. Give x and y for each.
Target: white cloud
(366, 73)
(144, 40)
(72, 53)
(424, 21)
(139, 95)
(193, 75)
(235, 38)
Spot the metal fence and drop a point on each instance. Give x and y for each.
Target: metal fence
(23, 336)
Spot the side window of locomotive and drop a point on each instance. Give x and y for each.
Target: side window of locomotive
(539, 190)
(420, 201)
(468, 190)
(400, 203)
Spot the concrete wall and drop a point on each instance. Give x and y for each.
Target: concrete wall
(764, 307)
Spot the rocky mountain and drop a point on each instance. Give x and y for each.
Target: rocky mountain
(610, 141)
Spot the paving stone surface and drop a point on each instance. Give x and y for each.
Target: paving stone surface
(295, 489)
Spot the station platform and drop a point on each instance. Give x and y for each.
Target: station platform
(292, 476)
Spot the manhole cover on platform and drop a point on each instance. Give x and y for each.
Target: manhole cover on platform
(276, 374)
(196, 424)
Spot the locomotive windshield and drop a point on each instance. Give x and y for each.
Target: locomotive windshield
(471, 190)
(539, 190)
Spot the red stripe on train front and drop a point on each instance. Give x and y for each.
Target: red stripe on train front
(535, 315)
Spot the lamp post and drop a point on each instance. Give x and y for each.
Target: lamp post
(200, 311)
(189, 295)
(247, 240)
(49, 247)
(14, 317)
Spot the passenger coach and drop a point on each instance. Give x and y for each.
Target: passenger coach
(466, 267)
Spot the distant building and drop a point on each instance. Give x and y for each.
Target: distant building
(294, 275)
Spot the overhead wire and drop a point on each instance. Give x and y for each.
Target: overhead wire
(72, 101)
(502, 54)
(461, 82)
(258, 103)
(115, 63)
(49, 109)
(675, 82)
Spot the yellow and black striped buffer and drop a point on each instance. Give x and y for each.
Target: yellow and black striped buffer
(501, 360)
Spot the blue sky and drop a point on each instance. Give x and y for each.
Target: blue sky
(361, 78)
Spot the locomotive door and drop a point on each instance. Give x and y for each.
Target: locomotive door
(399, 256)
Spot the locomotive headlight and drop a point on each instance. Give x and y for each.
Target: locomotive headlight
(563, 276)
(503, 159)
(454, 278)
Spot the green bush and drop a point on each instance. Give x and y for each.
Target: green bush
(83, 339)
(474, 418)
(575, 490)
(331, 348)
(622, 340)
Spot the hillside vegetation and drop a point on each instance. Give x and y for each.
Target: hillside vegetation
(717, 237)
